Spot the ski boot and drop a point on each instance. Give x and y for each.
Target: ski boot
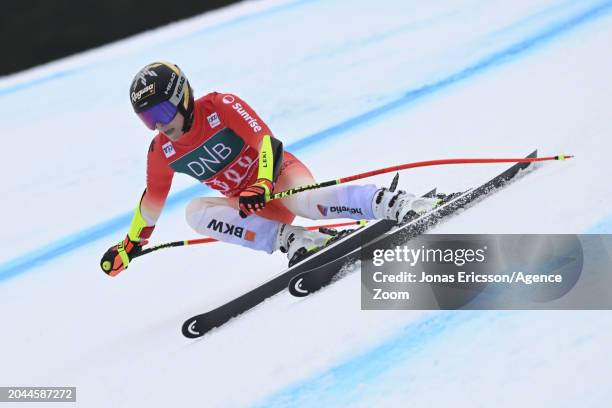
(299, 243)
(402, 207)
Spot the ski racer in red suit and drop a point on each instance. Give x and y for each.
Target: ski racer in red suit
(220, 141)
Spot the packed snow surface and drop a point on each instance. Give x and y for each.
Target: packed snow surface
(349, 86)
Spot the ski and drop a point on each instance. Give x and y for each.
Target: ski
(307, 282)
(201, 324)
(330, 259)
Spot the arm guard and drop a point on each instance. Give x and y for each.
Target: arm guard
(139, 230)
(270, 158)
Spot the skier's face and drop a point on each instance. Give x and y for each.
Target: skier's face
(173, 129)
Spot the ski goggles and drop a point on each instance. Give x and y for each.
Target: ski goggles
(162, 113)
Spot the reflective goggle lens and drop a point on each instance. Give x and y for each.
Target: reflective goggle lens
(162, 113)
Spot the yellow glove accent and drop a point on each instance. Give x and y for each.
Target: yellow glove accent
(123, 254)
(266, 185)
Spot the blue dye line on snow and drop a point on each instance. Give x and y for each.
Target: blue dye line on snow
(342, 385)
(68, 72)
(87, 236)
(497, 58)
(39, 81)
(602, 227)
(60, 247)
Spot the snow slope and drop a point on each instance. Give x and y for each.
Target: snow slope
(349, 86)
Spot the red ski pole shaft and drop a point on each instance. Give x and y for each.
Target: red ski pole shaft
(413, 165)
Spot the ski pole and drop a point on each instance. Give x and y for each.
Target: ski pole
(296, 190)
(208, 240)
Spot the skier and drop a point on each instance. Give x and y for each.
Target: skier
(219, 140)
